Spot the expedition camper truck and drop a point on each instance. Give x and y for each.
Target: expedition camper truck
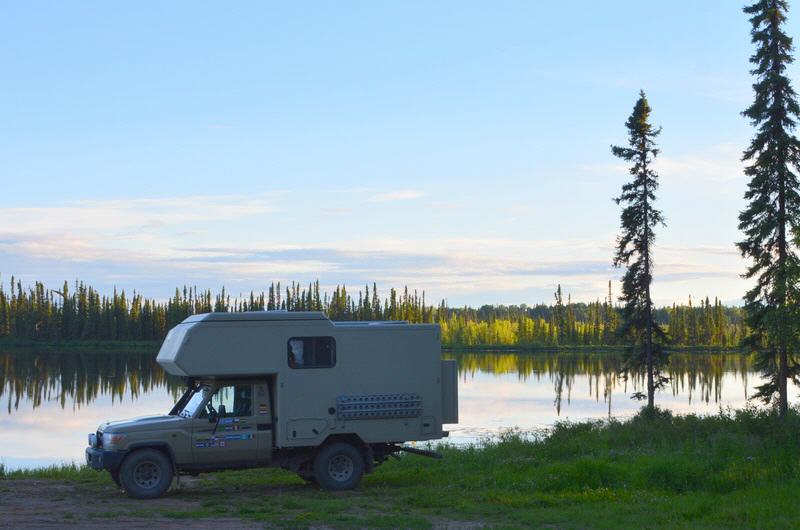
(327, 400)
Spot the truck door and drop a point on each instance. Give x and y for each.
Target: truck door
(265, 424)
(225, 430)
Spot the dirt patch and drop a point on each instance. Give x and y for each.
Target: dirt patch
(56, 504)
(50, 503)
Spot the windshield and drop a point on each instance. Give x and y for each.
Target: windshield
(194, 402)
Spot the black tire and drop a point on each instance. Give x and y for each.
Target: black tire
(115, 478)
(146, 474)
(311, 479)
(339, 466)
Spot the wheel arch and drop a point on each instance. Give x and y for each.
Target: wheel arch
(351, 438)
(160, 446)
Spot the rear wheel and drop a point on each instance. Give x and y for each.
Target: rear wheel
(146, 474)
(338, 466)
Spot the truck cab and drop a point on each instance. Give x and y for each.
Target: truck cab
(328, 401)
(231, 422)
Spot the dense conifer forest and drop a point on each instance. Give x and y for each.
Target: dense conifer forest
(80, 312)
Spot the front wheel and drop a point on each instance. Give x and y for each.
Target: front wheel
(311, 479)
(115, 478)
(338, 466)
(146, 474)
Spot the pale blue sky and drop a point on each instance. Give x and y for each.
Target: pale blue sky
(461, 148)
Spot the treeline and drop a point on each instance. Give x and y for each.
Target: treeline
(80, 312)
(580, 324)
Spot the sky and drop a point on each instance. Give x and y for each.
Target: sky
(460, 148)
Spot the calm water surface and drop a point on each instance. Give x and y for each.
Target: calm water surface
(51, 400)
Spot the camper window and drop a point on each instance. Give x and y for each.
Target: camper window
(312, 352)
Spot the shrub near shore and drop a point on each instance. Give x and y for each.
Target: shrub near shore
(736, 468)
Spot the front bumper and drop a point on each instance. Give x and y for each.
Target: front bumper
(100, 459)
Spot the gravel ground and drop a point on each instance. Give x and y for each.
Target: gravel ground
(56, 504)
(50, 503)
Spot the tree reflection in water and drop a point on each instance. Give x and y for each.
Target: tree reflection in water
(75, 379)
(698, 375)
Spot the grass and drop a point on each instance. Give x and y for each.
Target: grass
(734, 469)
(72, 472)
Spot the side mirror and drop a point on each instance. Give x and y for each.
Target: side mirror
(212, 416)
(222, 411)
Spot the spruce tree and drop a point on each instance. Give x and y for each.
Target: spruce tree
(770, 220)
(559, 314)
(634, 250)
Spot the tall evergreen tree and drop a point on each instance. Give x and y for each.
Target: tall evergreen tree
(770, 221)
(634, 249)
(559, 315)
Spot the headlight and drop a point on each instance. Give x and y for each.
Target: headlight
(113, 439)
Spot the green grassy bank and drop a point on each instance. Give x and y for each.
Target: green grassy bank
(735, 469)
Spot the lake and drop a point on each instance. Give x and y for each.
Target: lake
(51, 400)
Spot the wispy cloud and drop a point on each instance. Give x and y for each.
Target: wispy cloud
(718, 170)
(241, 242)
(728, 251)
(697, 275)
(392, 196)
(118, 214)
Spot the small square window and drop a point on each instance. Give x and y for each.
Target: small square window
(312, 352)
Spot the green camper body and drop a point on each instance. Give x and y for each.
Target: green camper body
(327, 400)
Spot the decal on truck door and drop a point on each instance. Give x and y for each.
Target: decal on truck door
(219, 441)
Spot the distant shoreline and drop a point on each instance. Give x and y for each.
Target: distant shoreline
(130, 346)
(153, 346)
(585, 349)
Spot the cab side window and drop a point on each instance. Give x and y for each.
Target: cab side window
(312, 352)
(231, 401)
